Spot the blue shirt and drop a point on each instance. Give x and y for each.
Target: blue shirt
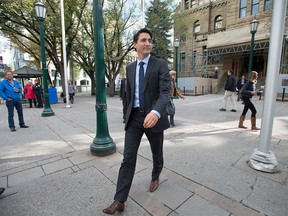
(7, 90)
(136, 92)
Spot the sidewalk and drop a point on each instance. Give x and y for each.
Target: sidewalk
(47, 169)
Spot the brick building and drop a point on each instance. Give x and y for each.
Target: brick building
(215, 35)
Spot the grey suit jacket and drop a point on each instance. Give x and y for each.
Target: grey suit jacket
(157, 90)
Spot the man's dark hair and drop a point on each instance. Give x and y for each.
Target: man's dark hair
(143, 30)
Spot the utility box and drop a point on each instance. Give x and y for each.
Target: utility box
(53, 95)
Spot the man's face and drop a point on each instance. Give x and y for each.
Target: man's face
(143, 46)
(9, 76)
(229, 73)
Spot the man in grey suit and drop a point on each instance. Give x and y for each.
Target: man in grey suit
(148, 92)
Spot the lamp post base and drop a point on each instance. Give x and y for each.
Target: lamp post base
(102, 147)
(47, 112)
(263, 162)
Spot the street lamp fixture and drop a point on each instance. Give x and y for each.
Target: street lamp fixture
(176, 45)
(253, 29)
(102, 144)
(41, 15)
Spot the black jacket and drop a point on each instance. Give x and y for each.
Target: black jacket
(230, 84)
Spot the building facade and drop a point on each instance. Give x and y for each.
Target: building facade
(215, 36)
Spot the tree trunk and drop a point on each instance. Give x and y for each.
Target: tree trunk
(93, 86)
(111, 89)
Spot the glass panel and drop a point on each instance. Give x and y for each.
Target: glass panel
(243, 3)
(255, 9)
(197, 27)
(218, 23)
(182, 62)
(242, 12)
(268, 5)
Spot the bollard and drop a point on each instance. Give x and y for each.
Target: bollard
(195, 91)
(184, 91)
(202, 90)
(283, 94)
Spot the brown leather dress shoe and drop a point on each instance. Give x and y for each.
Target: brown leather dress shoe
(114, 207)
(154, 185)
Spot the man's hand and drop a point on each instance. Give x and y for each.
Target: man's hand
(150, 120)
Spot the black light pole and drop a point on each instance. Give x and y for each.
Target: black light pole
(176, 45)
(102, 144)
(253, 30)
(41, 14)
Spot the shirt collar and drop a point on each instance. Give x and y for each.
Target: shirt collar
(144, 60)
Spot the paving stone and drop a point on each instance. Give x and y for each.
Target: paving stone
(56, 166)
(171, 194)
(81, 158)
(197, 206)
(25, 176)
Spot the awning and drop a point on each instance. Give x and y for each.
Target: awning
(26, 72)
(234, 37)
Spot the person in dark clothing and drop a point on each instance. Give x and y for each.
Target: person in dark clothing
(123, 97)
(239, 85)
(174, 92)
(249, 91)
(230, 88)
(38, 92)
(148, 93)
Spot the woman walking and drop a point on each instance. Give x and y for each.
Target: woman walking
(248, 91)
(29, 93)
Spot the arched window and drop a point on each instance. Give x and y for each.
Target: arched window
(197, 26)
(218, 22)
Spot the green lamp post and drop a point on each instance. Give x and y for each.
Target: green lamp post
(102, 144)
(253, 29)
(176, 45)
(41, 14)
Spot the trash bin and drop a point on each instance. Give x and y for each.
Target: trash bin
(53, 95)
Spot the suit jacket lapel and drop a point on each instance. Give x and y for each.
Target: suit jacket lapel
(133, 77)
(149, 70)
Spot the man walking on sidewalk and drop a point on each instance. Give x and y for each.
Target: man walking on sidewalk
(230, 88)
(10, 91)
(148, 93)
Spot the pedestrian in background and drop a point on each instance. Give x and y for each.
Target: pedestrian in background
(29, 93)
(38, 92)
(230, 88)
(148, 92)
(174, 92)
(123, 96)
(249, 90)
(10, 91)
(239, 85)
(71, 91)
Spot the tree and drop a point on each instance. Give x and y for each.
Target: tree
(118, 20)
(18, 22)
(159, 21)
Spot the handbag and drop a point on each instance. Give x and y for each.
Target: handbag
(170, 108)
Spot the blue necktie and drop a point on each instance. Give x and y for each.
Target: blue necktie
(141, 85)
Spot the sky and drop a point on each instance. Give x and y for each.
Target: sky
(5, 50)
